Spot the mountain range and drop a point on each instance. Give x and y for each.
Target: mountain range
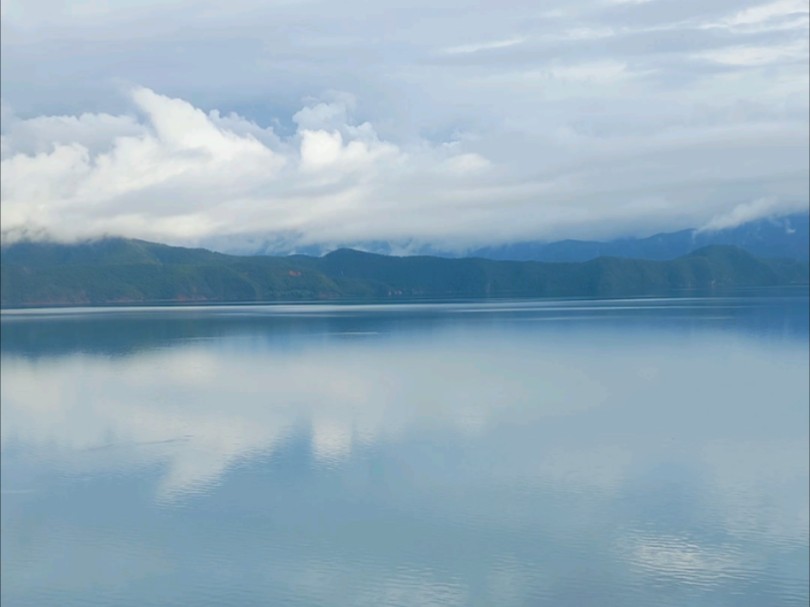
(786, 236)
(122, 271)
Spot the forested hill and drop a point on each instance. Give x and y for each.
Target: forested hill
(120, 271)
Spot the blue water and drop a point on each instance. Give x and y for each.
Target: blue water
(566, 453)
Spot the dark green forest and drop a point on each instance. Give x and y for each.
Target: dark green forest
(121, 271)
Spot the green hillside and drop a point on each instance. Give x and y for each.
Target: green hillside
(119, 271)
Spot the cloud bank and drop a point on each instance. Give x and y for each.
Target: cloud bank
(436, 126)
(176, 173)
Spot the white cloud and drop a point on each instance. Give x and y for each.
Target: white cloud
(757, 55)
(171, 172)
(466, 163)
(595, 72)
(92, 131)
(747, 211)
(326, 114)
(181, 174)
(773, 17)
(589, 33)
(456, 128)
(465, 49)
(769, 12)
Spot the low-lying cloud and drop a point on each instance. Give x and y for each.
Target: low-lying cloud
(174, 173)
(178, 174)
(748, 211)
(457, 129)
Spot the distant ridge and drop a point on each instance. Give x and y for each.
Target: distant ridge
(120, 271)
(783, 237)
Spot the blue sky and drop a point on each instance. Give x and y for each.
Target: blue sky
(455, 124)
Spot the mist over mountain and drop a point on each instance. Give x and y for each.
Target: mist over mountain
(782, 237)
(786, 236)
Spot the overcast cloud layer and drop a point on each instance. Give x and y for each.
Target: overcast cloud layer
(457, 124)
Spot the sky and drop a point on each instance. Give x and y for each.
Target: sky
(452, 124)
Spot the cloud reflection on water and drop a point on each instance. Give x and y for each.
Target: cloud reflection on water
(199, 410)
(458, 464)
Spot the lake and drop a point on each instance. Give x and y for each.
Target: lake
(567, 453)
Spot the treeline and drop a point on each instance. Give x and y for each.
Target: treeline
(121, 271)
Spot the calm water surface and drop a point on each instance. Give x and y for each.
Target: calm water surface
(627, 453)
